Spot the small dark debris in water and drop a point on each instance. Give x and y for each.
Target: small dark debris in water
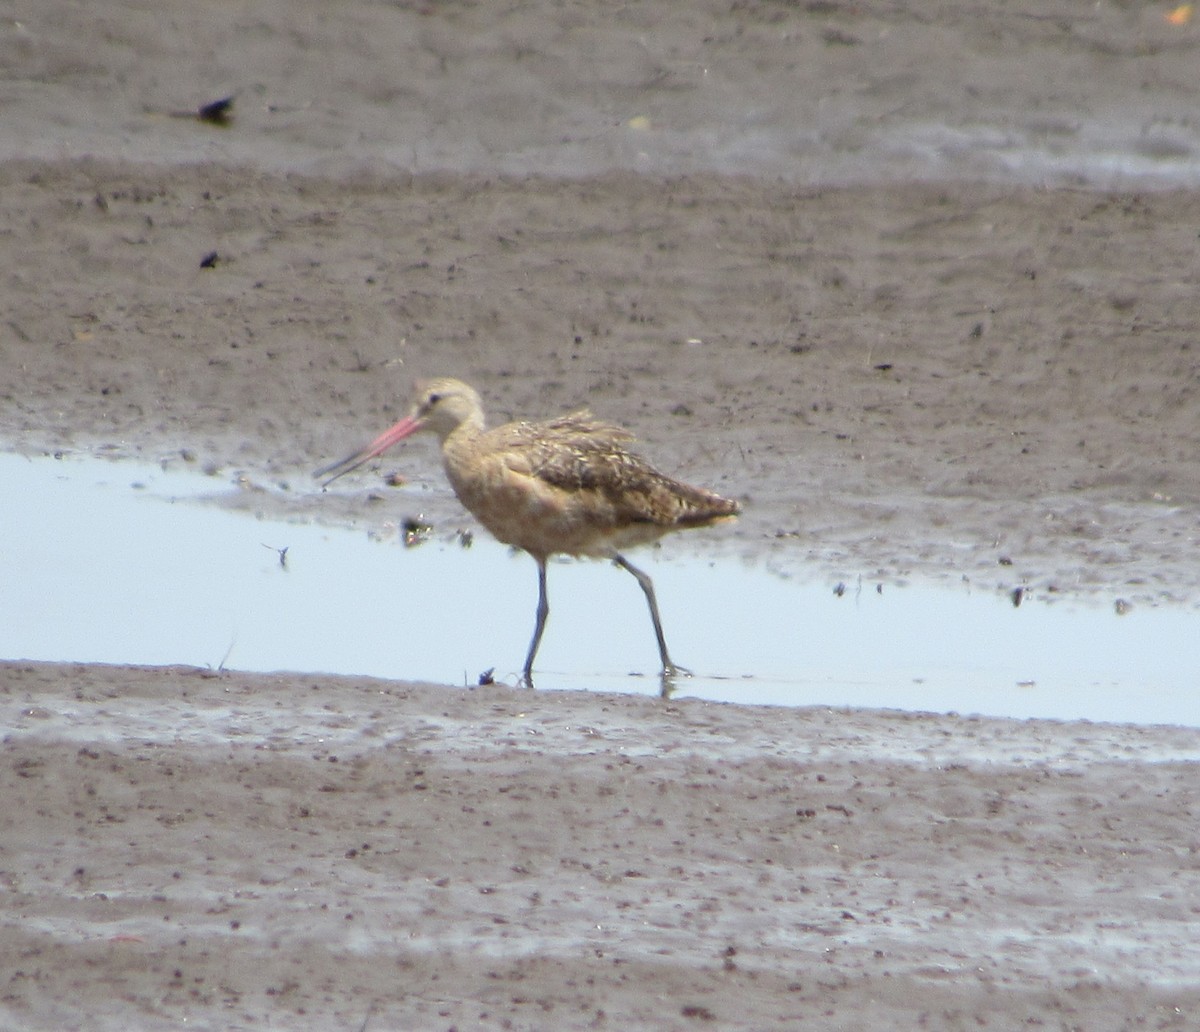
(282, 552)
(1018, 594)
(882, 367)
(218, 112)
(839, 588)
(696, 1011)
(977, 330)
(466, 538)
(486, 677)
(1122, 606)
(395, 480)
(209, 261)
(1004, 561)
(416, 531)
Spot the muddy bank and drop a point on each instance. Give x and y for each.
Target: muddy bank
(910, 381)
(244, 852)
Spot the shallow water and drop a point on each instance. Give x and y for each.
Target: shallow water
(125, 563)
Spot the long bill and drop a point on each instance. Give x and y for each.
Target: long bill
(407, 426)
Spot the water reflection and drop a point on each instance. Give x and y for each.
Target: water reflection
(119, 563)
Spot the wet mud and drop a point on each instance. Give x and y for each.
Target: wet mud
(929, 316)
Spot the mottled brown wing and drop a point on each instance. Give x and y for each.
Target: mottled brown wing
(574, 452)
(580, 454)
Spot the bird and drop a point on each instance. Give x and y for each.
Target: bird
(567, 485)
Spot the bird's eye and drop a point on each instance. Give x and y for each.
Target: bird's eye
(434, 399)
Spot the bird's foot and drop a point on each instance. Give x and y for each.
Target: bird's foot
(671, 673)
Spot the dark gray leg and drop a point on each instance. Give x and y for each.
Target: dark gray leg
(669, 669)
(543, 611)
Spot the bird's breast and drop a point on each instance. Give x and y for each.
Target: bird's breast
(522, 510)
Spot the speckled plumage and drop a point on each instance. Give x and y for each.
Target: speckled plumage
(567, 485)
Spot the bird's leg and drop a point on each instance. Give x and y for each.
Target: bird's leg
(543, 611)
(669, 670)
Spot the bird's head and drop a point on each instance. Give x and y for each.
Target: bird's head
(441, 406)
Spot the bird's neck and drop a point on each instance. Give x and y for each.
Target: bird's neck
(460, 442)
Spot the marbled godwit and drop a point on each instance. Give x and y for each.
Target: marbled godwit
(566, 485)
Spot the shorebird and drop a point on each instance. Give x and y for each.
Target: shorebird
(563, 486)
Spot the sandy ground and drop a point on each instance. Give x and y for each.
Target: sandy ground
(914, 376)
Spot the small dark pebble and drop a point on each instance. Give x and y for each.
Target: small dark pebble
(219, 112)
